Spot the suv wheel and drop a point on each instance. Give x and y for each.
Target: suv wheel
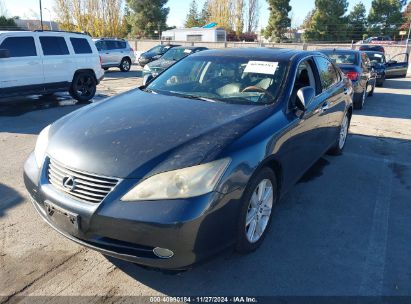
(84, 86)
(125, 65)
(255, 217)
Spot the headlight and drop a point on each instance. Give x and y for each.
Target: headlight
(41, 146)
(182, 183)
(146, 68)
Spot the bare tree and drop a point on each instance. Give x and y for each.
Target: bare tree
(221, 12)
(252, 15)
(239, 17)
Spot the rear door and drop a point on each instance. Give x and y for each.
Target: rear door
(57, 60)
(397, 65)
(114, 52)
(24, 66)
(333, 95)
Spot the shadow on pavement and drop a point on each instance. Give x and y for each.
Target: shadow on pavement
(8, 198)
(341, 231)
(116, 73)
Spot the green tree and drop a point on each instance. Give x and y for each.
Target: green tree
(278, 21)
(192, 18)
(357, 22)
(7, 23)
(385, 17)
(328, 22)
(204, 17)
(147, 17)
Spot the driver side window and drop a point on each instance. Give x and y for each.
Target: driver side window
(304, 78)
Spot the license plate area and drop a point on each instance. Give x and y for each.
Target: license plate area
(64, 219)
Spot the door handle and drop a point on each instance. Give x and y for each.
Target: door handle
(346, 91)
(33, 63)
(324, 107)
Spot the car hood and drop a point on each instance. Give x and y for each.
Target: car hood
(136, 134)
(160, 63)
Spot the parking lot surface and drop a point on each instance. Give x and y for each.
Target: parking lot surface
(343, 230)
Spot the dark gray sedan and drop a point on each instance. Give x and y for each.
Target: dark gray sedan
(171, 173)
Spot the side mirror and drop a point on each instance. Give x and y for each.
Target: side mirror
(304, 97)
(147, 79)
(4, 53)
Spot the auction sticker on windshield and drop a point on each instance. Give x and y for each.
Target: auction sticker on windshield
(261, 67)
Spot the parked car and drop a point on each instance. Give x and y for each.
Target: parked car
(154, 53)
(115, 53)
(168, 59)
(380, 40)
(45, 62)
(397, 66)
(357, 66)
(173, 172)
(375, 48)
(378, 63)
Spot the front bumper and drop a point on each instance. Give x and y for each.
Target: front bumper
(193, 229)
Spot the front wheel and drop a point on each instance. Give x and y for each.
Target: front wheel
(339, 145)
(359, 99)
(258, 200)
(84, 86)
(125, 65)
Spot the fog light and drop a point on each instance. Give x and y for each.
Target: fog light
(163, 253)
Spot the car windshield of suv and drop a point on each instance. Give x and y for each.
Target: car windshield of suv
(222, 78)
(176, 54)
(375, 57)
(343, 58)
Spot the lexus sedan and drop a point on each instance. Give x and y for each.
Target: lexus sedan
(358, 68)
(171, 173)
(154, 53)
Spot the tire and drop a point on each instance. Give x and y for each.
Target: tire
(359, 100)
(125, 65)
(371, 93)
(84, 86)
(247, 241)
(339, 145)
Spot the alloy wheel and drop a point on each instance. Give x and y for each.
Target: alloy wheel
(84, 86)
(259, 211)
(343, 132)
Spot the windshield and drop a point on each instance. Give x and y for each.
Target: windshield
(159, 49)
(343, 58)
(222, 78)
(176, 54)
(375, 57)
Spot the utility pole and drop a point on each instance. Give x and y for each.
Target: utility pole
(41, 15)
(408, 38)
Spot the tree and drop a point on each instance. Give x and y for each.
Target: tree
(385, 17)
(204, 17)
(3, 9)
(308, 19)
(252, 14)
(357, 22)
(147, 17)
(406, 17)
(278, 21)
(239, 17)
(193, 18)
(98, 17)
(7, 23)
(221, 12)
(328, 22)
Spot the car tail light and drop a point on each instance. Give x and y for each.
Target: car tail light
(352, 75)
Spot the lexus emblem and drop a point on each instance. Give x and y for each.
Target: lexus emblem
(69, 183)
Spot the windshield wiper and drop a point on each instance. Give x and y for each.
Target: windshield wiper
(192, 96)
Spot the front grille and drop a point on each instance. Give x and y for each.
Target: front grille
(80, 185)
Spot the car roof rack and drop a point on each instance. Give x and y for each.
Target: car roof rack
(71, 32)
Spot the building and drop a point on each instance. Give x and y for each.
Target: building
(200, 34)
(31, 25)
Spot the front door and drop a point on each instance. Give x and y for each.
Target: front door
(23, 69)
(397, 66)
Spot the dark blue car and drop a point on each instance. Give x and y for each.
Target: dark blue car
(169, 174)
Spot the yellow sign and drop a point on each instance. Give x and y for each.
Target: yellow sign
(402, 33)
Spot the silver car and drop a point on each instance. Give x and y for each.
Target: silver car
(115, 53)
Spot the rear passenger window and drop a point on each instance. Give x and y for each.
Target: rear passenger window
(111, 45)
(121, 44)
(20, 46)
(54, 46)
(81, 46)
(327, 72)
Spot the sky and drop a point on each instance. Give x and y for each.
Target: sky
(178, 9)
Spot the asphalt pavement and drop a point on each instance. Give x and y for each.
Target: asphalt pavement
(343, 230)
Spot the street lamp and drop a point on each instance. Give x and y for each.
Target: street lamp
(51, 25)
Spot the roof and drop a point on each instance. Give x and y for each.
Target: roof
(346, 51)
(194, 29)
(261, 53)
(189, 47)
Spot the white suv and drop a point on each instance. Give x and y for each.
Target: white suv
(45, 62)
